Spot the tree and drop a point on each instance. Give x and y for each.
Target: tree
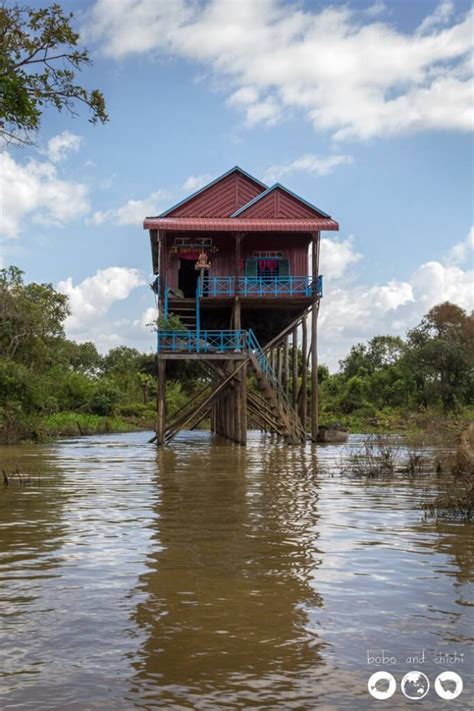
(379, 353)
(442, 355)
(39, 58)
(31, 318)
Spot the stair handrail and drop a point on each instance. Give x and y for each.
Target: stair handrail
(254, 346)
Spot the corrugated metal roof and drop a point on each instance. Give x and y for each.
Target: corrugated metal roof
(278, 186)
(235, 169)
(234, 224)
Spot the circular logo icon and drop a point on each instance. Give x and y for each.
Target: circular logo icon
(382, 685)
(448, 685)
(415, 685)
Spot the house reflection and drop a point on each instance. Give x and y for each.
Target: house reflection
(228, 587)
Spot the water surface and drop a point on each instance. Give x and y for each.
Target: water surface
(211, 576)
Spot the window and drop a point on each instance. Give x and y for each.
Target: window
(266, 268)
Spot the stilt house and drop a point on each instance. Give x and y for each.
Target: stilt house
(236, 269)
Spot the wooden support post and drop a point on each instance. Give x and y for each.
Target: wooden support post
(218, 415)
(314, 344)
(238, 405)
(286, 367)
(314, 373)
(304, 373)
(232, 398)
(294, 355)
(226, 414)
(243, 405)
(161, 403)
(279, 364)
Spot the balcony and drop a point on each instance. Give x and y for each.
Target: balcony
(260, 287)
(202, 341)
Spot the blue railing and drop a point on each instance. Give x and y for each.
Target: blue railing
(267, 370)
(215, 286)
(244, 342)
(201, 341)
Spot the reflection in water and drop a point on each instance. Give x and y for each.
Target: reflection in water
(211, 576)
(33, 519)
(229, 584)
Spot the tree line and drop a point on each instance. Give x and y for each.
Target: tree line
(52, 385)
(431, 369)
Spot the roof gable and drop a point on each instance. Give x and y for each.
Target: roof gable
(278, 202)
(219, 198)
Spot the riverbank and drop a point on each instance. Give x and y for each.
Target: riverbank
(68, 424)
(408, 422)
(426, 424)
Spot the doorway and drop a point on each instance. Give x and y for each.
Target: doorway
(187, 277)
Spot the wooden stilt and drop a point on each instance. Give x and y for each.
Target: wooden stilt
(314, 373)
(286, 367)
(204, 404)
(279, 364)
(243, 406)
(161, 403)
(314, 344)
(294, 355)
(304, 373)
(239, 404)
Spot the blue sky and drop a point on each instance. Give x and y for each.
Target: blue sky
(363, 108)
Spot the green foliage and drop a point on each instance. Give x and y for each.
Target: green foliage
(73, 423)
(171, 323)
(43, 375)
(433, 367)
(105, 398)
(31, 318)
(39, 59)
(442, 356)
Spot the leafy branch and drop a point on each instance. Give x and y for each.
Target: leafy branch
(39, 59)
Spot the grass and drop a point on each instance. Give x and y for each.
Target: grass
(421, 424)
(69, 424)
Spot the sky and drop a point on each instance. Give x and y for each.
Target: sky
(364, 108)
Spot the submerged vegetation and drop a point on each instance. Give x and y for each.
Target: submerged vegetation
(448, 472)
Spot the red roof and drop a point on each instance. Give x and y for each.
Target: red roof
(238, 202)
(234, 224)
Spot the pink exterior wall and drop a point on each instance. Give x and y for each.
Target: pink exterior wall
(293, 246)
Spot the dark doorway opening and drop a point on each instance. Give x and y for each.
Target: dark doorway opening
(187, 277)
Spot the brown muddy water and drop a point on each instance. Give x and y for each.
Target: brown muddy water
(209, 576)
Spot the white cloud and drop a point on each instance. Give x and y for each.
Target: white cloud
(462, 250)
(346, 70)
(91, 299)
(33, 190)
(309, 163)
(336, 256)
(352, 312)
(440, 16)
(62, 144)
(133, 212)
(378, 8)
(147, 318)
(194, 182)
